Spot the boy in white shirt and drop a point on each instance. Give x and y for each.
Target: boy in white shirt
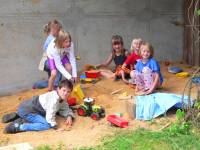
(40, 111)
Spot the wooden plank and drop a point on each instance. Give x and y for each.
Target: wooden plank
(20, 146)
(116, 91)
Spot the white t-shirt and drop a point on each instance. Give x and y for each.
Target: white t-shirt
(50, 103)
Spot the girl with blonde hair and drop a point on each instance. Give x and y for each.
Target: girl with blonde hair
(60, 53)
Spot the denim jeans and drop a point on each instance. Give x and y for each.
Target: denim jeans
(44, 83)
(35, 122)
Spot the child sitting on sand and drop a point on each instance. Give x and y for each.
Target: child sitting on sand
(118, 55)
(147, 75)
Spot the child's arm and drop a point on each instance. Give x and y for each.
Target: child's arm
(59, 65)
(107, 62)
(73, 61)
(51, 112)
(132, 67)
(155, 83)
(66, 112)
(47, 42)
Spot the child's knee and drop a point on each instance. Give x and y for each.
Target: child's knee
(132, 74)
(53, 73)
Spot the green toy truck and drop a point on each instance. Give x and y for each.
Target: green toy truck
(89, 109)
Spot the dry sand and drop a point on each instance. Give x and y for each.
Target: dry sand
(85, 131)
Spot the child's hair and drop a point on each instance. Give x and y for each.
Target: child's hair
(149, 46)
(135, 40)
(66, 83)
(117, 39)
(53, 23)
(62, 36)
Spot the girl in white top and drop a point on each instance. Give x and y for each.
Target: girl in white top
(60, 53)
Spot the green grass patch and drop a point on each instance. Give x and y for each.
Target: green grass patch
(147, 140)
(60, 146)
(142, 139)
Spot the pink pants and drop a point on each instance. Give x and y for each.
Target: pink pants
(144, 80)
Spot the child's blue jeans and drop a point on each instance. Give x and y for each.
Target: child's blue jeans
(35, 122)
(44, 83)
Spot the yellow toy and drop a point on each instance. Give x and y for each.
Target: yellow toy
(78, 57)
(182, 74)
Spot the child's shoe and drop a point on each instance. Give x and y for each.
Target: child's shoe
(20, 121)
(12, 128)
(117, 78)
(9, 117)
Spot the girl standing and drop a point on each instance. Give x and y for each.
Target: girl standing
(60, 53)
(51, 29)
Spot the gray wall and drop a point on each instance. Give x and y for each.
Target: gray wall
(91, 23)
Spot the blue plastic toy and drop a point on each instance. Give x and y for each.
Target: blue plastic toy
(174, 69)
(196, 80)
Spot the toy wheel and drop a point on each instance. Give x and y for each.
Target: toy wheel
(81, 111)
(95, 116)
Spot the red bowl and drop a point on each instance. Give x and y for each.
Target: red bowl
(92, 74)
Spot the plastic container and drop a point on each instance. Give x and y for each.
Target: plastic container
(92, 74)
(174, 69)
(117, 121)
(182, 74)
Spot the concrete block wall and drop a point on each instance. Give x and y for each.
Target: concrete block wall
(91, 23)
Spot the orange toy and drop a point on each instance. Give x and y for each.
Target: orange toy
(119, 68)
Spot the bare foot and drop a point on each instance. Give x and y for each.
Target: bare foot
(140, 93)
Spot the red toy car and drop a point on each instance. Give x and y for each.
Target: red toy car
(118, 121)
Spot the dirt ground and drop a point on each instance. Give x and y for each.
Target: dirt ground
(85, 131)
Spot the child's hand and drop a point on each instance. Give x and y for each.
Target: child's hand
(74, 79)
(124, 66)
(97, 66)
(149, 91)
(68, 121)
